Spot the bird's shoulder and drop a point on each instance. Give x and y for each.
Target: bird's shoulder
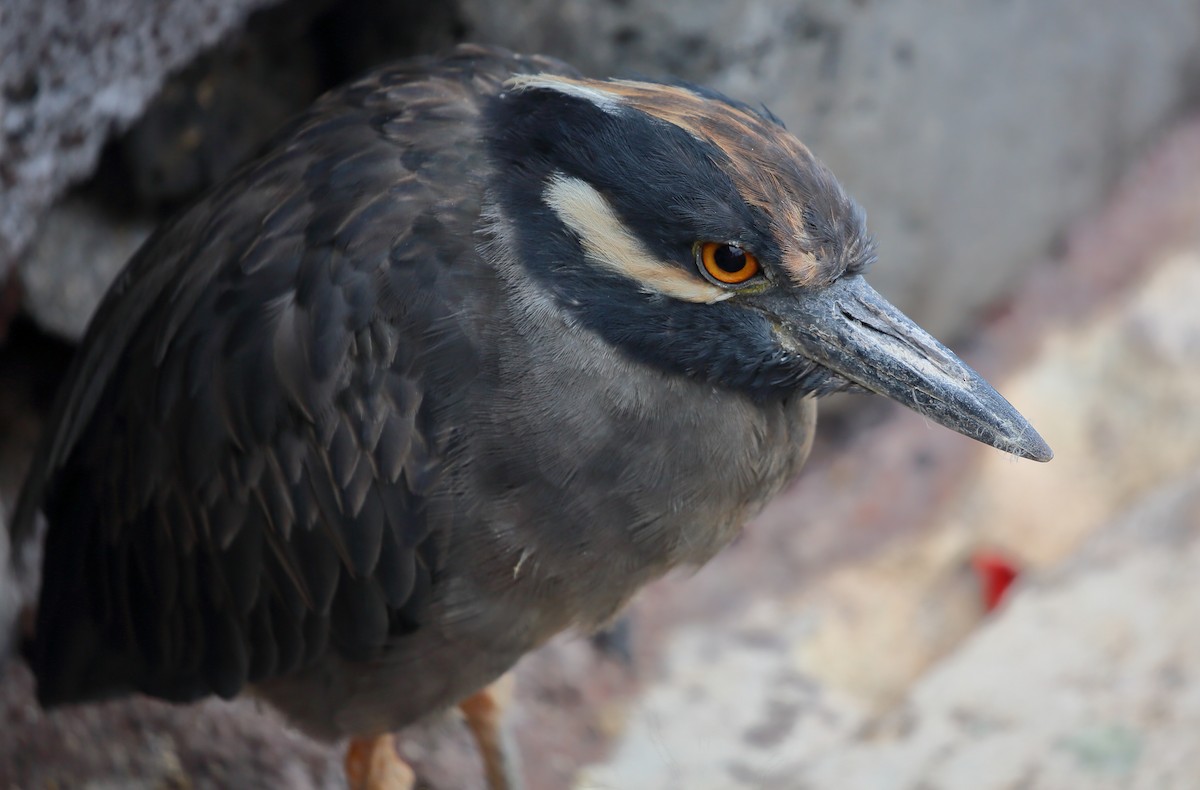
(259, 392)
(381, 169)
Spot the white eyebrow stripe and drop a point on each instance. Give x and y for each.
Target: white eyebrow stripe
(609, 102)
(608, 243)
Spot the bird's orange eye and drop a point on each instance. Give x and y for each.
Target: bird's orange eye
(727, 263)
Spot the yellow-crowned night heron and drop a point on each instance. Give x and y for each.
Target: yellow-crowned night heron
(474, 351)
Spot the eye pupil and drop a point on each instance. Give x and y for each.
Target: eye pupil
(726, 263)
(729, 258)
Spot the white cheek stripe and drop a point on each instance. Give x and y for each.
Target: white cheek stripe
(608, 243)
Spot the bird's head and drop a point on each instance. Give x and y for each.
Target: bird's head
(697, 235)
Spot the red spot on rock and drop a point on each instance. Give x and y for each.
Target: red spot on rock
(996, 574)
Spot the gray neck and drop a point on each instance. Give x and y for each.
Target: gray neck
(609, 483)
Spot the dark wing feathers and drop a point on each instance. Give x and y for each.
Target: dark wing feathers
(234, 480)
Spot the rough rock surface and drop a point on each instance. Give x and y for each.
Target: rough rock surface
(208, 118)
(73, 72)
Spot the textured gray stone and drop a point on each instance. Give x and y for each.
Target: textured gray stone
(206, 119)
(972, 132)
(74, 71)
(75, 256)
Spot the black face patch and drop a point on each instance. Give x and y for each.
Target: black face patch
(668, 189)
(664, 184)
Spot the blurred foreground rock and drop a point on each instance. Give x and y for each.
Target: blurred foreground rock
(144, 745)
(1089, 679)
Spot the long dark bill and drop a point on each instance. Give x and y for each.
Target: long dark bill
(852, 330)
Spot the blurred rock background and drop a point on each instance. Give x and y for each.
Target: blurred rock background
(1032, 172)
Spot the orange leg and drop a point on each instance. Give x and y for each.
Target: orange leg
(373, 764)
(484, 712)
